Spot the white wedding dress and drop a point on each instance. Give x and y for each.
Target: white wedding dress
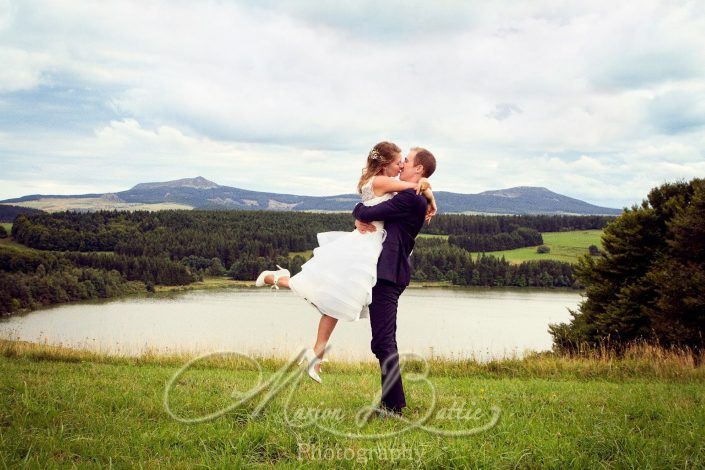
(338, 279)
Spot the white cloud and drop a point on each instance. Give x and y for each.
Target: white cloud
(289, 96)
(21, 70)
(124, 153)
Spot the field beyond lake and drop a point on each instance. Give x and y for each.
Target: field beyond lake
(564, 246)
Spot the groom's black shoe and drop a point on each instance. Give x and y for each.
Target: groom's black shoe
(382, 413)
(388, 413)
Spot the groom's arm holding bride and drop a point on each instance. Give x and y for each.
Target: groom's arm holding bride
(400, 207)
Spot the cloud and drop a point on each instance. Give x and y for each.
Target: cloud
(125, 153)
(21, 70)
(678, 111)
(289, 96)
(646, 44)
(503, 110)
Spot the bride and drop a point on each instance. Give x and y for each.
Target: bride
(338, 279)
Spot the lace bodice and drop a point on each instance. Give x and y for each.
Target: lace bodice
(366, 190)
(369, 199)
(368, 195)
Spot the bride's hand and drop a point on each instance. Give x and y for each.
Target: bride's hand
(431, 211)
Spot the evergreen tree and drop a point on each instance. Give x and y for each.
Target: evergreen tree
(649, 282)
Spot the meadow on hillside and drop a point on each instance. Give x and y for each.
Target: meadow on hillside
(565, 246)
(65, 407)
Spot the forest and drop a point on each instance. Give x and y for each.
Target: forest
(477, 242)
(102, 254)
(8, 212)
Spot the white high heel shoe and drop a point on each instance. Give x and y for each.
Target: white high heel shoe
(277, 274)
(311, 362)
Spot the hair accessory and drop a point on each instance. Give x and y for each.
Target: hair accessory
(375, 155)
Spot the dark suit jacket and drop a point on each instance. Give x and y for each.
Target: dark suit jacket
(403, 217)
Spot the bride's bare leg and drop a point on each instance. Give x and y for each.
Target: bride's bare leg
(283, 281)
(325, 328)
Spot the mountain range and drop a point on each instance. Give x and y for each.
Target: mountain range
(200, 193)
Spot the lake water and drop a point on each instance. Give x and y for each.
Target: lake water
(453, 323)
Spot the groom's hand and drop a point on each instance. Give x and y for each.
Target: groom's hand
(363, 227)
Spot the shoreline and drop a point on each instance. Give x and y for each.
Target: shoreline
(641, 361)
(215, 283)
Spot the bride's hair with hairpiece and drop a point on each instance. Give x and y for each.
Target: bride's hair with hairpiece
(380, 156)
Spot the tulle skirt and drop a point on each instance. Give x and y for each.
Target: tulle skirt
(338, 279)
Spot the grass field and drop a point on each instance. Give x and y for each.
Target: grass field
(66, 408)
(7, 225)
(305, 254)
(9, 243)
(428, 235)
(208, 282)
(565, 246)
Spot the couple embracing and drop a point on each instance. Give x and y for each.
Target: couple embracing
(361, 274)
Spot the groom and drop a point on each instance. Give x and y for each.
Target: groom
(403, 217)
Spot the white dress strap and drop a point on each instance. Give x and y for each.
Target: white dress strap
(366, 191)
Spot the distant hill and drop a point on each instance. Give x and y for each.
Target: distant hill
(519, 200)
(200, 193)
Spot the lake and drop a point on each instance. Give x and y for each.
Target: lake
(447, 322)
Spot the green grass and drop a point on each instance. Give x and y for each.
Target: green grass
(565, 246)
(10, 244)
(305, 254)
(208, 282)
(66, 408)
(429, 235)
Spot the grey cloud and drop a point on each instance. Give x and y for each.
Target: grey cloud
(677, 112)
(648, 68)
(61, 107)
(502, 111)
(391, 20)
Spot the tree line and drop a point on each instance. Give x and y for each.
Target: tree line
(8, 212)
(32, 280)
(226, 235)
(435, 260)
(230, 235)
(457, 224)
(517, 238)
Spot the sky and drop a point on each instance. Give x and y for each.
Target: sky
(597, 100)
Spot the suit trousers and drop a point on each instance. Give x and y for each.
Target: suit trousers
(383, 320)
